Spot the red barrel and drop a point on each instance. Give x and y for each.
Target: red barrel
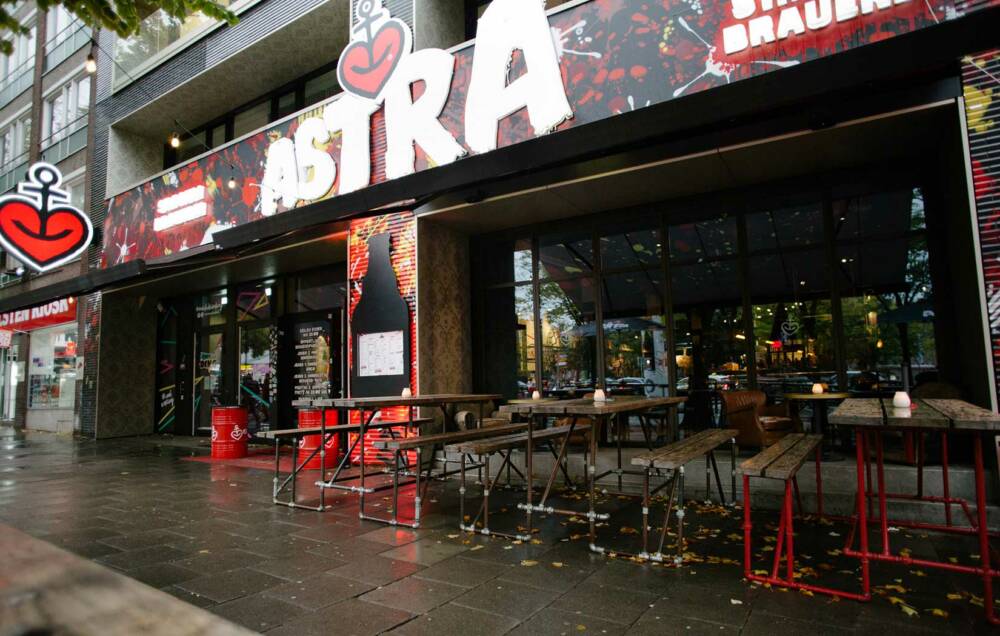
(229, 432)
(309, 418)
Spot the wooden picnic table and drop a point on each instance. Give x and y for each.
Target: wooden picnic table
(599, 413)
(870, 417)
(47, 590)
(369, 407)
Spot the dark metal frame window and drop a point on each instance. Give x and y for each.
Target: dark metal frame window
(667, 217)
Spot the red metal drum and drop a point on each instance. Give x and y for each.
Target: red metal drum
(229, 432)
(309, 418)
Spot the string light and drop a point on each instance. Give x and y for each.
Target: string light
(91, 64)
(175, 140)
(232, 183)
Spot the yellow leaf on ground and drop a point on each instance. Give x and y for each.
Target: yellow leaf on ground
(528, 563)
(557, 564)
(954, 597)
(939, 612)
(475, 547)
(909, 611)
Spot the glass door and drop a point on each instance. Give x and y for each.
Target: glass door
(258, 374)
(313, 359)
(208, 379)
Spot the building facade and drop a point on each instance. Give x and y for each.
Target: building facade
(46, 96)
(509, 196)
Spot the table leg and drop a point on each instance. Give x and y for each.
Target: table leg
(361, 443)
(528, 476)
(862, 454)
(882, 507)
(984, 538)
(599, 422)
(944, 478)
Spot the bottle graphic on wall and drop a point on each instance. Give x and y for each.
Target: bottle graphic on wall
(380, 328)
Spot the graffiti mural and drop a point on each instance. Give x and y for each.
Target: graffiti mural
(432, 107)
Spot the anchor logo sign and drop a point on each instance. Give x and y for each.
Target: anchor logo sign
(38, 226)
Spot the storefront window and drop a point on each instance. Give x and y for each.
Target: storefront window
(884, 270)
(568, 336)
(52, 371)
(210, 309)
(253, 302)
(790, 290)
(318, 290)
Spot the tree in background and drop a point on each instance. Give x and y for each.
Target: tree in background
(124, 17)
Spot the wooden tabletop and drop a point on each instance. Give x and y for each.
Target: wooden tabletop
(525, 406)
(608, 407)
(47, 590)
(816, 396)
(431, 399)
(929, 413)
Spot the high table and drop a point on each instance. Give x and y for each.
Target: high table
(600, 413)
(819, 403)
(873, 416)
(368, 408)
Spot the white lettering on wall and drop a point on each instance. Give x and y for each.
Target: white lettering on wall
(186, 205)
(508, 26)
(316, 168)
(408, 121)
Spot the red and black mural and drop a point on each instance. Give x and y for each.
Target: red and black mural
(367, 241)
(981, 88)
(613, 56)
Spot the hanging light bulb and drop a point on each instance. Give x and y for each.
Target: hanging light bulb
(175, 140)
(91, 63)
(232, 183)
(232, 178)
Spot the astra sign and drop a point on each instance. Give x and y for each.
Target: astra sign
(38, 226)
(378, 70)
(527, 74)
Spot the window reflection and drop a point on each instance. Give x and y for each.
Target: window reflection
(568, 336)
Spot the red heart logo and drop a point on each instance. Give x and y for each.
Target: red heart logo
(42, 240)
(366, 66)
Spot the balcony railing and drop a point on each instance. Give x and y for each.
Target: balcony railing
(72, 138)
(16, 82)
(66, 43)
(13, 171)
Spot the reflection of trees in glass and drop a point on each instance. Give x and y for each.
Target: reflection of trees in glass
(566, 356)
(871, 341)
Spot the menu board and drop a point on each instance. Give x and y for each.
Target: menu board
(312, 360)
(381, 354)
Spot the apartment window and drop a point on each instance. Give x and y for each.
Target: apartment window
(322, 86)
(159, 36)
(76, 187)
(24, 51)
(251, 119)
(66, 109)
(57, 21)
(14, 142)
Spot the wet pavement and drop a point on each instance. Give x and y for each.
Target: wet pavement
(208, 534)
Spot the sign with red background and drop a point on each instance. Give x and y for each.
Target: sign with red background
(56, 312)
(613, 56)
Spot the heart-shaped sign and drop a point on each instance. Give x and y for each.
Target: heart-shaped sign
(789, 328)
(43, 244)
(365, 66)
(38, 227)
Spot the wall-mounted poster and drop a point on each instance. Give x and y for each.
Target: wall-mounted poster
(381, 353)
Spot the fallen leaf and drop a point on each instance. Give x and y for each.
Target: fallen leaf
(939, 612)
(453, 536)
(528, 563)
(476, 547)
(557, 564)
(954, 597)
(735, 601)
(909, 611)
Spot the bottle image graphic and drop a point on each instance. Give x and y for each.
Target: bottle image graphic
(380, 328)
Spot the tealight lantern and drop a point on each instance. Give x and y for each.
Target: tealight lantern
(599, 396)
(535, 395)
(901, 400)
(407, 392)
(817, 388)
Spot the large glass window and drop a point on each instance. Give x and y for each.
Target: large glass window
(52, 371)
(567, 311)
(65, 110)
(884, 273)
(789, 280)
(509, 340)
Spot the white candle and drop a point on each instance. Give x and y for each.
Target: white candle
(535, 395)
(901, 400)
(599, 396)
(407, 392)
(817, 388)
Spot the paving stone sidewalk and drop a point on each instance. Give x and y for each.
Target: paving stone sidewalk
(208, 534)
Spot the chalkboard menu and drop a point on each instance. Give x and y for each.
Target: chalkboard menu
(312, 360)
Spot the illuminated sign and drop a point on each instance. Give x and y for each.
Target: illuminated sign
(56, 312)
(38, 226)
(186, 205)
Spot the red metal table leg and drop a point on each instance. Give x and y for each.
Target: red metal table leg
(984, 537)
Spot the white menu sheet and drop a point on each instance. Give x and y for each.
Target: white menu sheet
(381, 354)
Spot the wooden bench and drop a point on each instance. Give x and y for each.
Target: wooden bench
(782, 461)
(674, 457)
(285, 433)
(505, 442)
(441, 439)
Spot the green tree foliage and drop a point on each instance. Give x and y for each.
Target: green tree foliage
(121, 16)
